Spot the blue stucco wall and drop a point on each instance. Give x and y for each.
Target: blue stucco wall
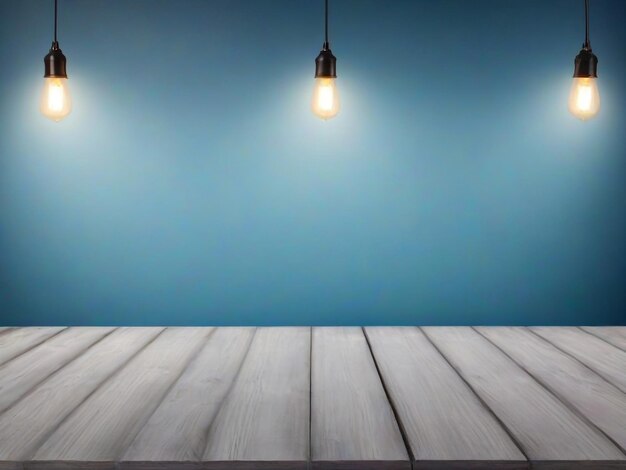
(192, 185)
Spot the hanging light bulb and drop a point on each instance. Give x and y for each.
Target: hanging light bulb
(56, 102)
(584, 98)
(325, 101)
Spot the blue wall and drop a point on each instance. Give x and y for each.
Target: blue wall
(192, 185)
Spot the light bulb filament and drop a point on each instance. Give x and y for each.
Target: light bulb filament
(55, 97)
(325, 103)
(584, 101)
(56, 102)
(326, 98)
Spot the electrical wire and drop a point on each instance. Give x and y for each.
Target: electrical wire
(56, 7)
(587, 45)
(326, 23)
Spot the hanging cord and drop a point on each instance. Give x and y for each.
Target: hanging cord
(326, 24)
(56, 7)
(587, 44)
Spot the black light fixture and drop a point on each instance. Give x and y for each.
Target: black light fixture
(56, 102)
(325, 102)
(584, 99)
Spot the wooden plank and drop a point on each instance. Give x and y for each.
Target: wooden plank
(265, 417)
(24, 372)
(603, 358)
(602, 403)
(18, 340)
(84, 465)
(442, 418)
(25, 425)
(616, 335)
(207, 465)
(104, 425)
(546, 429)
(351, 418)
(10, 465)
(177, 431)
(436, 465)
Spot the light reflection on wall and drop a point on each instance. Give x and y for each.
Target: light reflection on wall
(464, 195)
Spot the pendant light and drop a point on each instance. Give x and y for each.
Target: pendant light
(325, 102)
(584, 99)
(56, 102)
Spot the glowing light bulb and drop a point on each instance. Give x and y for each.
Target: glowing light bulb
(584, 98)
(325, 102)
(56, 102)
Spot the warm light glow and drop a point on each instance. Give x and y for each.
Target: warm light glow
(584, 99)
(325, 103)
(56, 102)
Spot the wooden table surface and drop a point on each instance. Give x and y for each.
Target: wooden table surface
(312, 398)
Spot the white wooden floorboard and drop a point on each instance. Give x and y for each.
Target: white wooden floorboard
(616, 335)
(546, 429)
(105, 424)
(76, 465)
(605, 359)
(18, 340)
(601, 402)
(265, 417)
(25, 425)
(443, 419)
(178, 429)
(231, 399)
(22, 373)
(351, 418)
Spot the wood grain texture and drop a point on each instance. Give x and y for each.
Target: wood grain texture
(77, 465)
(231, 399)
(18, 340)
(11, 465)
(351, 418)
(25, 425)
(578, 465)
(616, 335)
(603, 358)
(542, 424)
(177, 431)
(535, 465)
(105, 424)
(443, 419)
(215, 465)
(471, 465)
(22, 373)
(265, 417)
(602, 403)
(360, 465)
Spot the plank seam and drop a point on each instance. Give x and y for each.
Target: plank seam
(506, 429)
(193, 356)
(401, 427)
(601, 338)
(34, 346)
(43, 440)
(570, 406)
(599, 374)
(54, 372)
(226, 395)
